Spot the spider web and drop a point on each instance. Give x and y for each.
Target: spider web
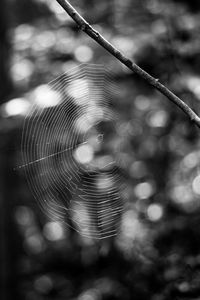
(70, 160)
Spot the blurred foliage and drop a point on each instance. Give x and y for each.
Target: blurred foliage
(156, 254)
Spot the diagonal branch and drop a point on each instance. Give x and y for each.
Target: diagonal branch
(95, 35)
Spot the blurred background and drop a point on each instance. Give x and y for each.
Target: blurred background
(156, 254)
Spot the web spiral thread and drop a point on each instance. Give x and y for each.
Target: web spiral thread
(69, 158)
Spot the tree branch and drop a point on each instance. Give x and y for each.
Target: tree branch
(95, 35)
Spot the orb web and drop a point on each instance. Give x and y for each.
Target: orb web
(70, 160)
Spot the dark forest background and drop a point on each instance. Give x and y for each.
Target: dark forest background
(156, 254)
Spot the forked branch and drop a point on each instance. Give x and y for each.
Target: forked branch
(95, 35)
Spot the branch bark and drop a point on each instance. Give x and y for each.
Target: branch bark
(95, 35)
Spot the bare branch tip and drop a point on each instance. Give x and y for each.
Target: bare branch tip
(87, 28)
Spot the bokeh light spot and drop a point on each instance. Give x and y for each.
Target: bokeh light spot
(155, 212)
(82, 124)
(104, 182)
(53, 231)
(142, 102)
(158, 119)
(24, 215)
(191, 160)
(34, 243)
(138, 169)
(83, 54)
(79, 90)
(144, 190)
(84, 154)
(44, 96)
(193, 84)
(181, 194)
(22, 70)
(43, 284)
(196, 185)
(17, 106)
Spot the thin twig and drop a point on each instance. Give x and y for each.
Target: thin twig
(95, 35)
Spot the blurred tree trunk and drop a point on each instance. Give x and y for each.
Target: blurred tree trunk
(5, 81)
(6, 233)
(10, 234)
(3, 258)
